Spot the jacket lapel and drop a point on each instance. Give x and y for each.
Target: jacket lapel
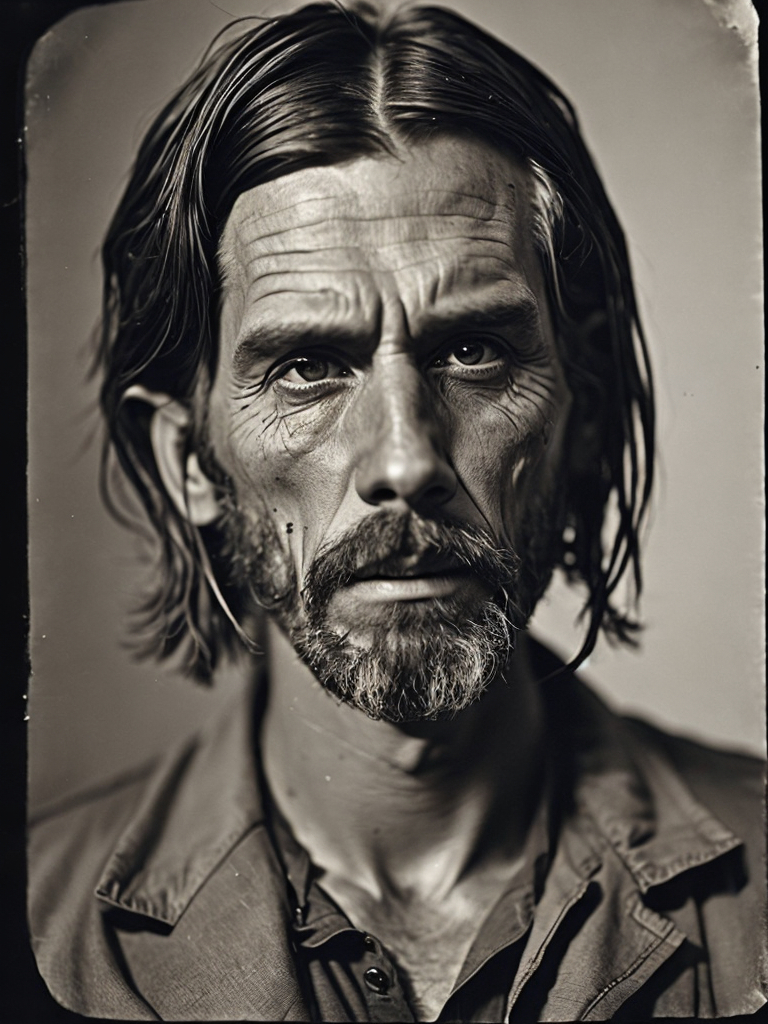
(228, 957)
(631, 826)
(193, 893)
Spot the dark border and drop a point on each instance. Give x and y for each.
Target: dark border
(24, 998)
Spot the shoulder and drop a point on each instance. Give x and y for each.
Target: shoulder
(69, 842)
(94, 805)
(128, 854)
(730, 783)
(730, 892)
(77, 831)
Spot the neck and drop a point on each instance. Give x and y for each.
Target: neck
(411, 807)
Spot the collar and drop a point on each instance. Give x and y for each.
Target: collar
(206, 795)
(626, 785)
(317, 918)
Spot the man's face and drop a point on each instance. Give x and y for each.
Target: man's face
(389, 406)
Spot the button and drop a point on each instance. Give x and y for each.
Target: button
(370, 943)
(377, 980)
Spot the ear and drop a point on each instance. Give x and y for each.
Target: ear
(193, 494)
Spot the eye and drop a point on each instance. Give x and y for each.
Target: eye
(311, 370)
(471, 353)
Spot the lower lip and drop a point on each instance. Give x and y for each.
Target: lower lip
(408, 588)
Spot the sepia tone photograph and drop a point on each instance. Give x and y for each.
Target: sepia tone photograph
(395, 510)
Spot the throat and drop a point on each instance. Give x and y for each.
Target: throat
(407, 810)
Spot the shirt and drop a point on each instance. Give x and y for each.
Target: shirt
(349, 975)
(161, 896)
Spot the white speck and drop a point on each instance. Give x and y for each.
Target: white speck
(43, 636)
(26, 718)
(327, 778)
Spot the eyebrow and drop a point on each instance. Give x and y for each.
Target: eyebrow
(520, 314)
(265, 341)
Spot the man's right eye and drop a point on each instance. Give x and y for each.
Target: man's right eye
(311, 370)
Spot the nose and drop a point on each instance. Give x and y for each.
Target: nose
(401, 450)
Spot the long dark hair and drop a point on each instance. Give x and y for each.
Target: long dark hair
(319, 86)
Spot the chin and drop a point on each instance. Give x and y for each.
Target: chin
(419, 660)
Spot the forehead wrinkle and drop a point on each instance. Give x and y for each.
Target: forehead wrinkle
(344, 249)
(402, 223)
(446, 287)
(386, 205)
(391, 258)
(481, 181)
(374, 234)
(443, 275)
(246, 262)
(365, 218)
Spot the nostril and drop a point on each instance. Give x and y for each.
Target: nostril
(438, 494)
(381, 495)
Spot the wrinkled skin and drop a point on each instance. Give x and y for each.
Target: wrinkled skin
(386, 347)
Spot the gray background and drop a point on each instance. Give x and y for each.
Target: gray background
(666, 92)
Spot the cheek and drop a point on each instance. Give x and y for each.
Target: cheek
(500, 450)
(282, 425)
(300, 486)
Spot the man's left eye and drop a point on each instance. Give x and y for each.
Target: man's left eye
(469, 353)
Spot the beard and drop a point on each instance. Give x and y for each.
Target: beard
(411, 660)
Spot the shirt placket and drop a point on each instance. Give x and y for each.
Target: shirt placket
(346, 967)
(363, 968)
(351, 974)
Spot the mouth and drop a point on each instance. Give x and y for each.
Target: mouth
(409, 579)
(409, 567)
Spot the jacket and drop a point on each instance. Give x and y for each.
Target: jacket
(159, 896)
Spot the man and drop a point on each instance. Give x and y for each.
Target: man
(371, 359)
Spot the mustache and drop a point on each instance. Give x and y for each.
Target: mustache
(399, 543)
